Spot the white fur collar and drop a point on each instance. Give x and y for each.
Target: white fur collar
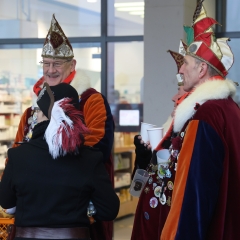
(81, 81)
(209, 90)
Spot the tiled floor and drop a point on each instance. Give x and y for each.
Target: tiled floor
(123, 228)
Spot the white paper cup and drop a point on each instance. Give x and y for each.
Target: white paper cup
(163, 156)
(155, 135)
(162, 159)
(139, 181)
(144, 128)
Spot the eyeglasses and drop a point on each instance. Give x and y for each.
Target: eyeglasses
(54, 64)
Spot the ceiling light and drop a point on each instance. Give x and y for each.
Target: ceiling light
(137, 13)
(129, 4)
(133, 8)
(130, 9)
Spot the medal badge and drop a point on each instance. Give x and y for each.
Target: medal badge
(174, 153)
(154, 168)
(169, 201)
(168, 173)
(150, 180)
(153, 202)
(157, 191)
(146, 215)
(146, 190)
(154, 185)
(170, 185)
(162, 168)
(163, 199)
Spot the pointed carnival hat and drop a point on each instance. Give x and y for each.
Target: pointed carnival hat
(56, 44)
(65, 131)
(203, 44)
(179, 58)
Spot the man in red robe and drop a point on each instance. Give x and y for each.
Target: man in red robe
(205, 199)
(150, 218)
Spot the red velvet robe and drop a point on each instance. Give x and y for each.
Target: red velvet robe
(148, 221)
(205, 202)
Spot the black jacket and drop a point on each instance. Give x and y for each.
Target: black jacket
(56, 193)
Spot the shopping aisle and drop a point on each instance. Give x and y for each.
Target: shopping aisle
(123, 228)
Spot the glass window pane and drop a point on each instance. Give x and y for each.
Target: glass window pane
(88, 56)
(31, 18)
(125, 77)
(233, 16)
(234, 70)
(125, 85)
(125, 17)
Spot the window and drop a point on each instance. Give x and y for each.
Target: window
(227, 14)
(125, 72)
(31, 18)
(125, 17)
(232, 16)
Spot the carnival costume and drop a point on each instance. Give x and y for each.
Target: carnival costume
(155, 200)
(205, 200)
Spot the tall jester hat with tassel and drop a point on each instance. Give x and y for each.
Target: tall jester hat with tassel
(203, 44)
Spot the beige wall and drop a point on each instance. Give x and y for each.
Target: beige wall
(163, 29)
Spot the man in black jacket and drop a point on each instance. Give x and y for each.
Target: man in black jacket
(52, 178)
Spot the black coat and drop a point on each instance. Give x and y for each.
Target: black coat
(56, 193)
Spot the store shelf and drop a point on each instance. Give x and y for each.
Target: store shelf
(117, 189)
(126, 156)
(10, 106)
(129, 148)
(10, 109)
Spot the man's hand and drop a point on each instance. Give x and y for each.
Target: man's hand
(140, 144)
(143, 153)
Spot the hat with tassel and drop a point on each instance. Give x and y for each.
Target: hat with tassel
(57, 44)
(65, 131)
(203, 44)
(179, 58)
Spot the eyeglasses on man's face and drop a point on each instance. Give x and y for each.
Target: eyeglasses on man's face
(57, 64)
